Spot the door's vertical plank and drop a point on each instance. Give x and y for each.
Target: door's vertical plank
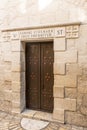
(47, 59)
(33, 75)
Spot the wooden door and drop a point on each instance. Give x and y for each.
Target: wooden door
(39, 76)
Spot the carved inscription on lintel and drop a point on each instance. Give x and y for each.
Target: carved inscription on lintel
(67, 32)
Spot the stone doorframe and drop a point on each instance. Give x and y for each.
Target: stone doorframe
(59, 34)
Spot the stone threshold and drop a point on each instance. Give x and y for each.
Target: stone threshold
(39, 115)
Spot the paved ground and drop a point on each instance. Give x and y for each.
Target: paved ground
(10, 122)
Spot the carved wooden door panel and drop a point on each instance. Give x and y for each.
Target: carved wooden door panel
(47, 78)
(39, 76)
(33, 76)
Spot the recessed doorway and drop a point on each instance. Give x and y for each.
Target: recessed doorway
(39, 76)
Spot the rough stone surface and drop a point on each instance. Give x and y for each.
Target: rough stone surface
(59, 68)
(66, 104)
(65, 80)
(59, 44)
(66, 57)
(14, 122)
(71, 93)
(76, 119)
(59, 92)
(58, 114)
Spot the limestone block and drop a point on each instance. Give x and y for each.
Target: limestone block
(22, 57)
(16, 67)
(83, 110)
(6, 46)
(76, 119)
(84, 100)
(5, 105)
(71, 93)
(82, 90)
(59, 68)
(66, 57)
(23, 100)
(82, 81)
(61, 13)
(59, 92)
(16, 23)
(70, 104)
(16, 76)
(65, 80)
(2, 58)
(70, 44)
(82, 59)
(1, 68)
(23, 66)
(1, 85)
(59, 44)
(79, 99)
(58, 114)
(8, 85)
(47, 18)
(66, 104)
(16, 46)
(7, 76)
(0, 51)
(1, 104)
(81, 43)
(83, 30)
(1, 76)
(77, 127)
(74, 69)
(8, 95)
(7, 56)
(1, 95)
(81, 46)
(16, 107)
(16, 57)
(33, 18)
(16, 86)
(7, 66)
(15, 97)
(84, 68)
(23, 80)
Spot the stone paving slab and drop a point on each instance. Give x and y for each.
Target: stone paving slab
(32, 124)
(13, 122)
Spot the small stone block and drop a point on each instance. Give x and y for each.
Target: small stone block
(59, 44)
(59, 92)
(59, 68)
(59, 115)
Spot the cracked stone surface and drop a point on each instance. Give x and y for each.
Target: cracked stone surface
(13, 122)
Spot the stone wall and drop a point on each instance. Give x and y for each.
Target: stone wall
(70, 80)
(70, 57)
(32, 13)
(79, 69)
